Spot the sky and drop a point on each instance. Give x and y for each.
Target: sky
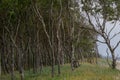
(102, 47)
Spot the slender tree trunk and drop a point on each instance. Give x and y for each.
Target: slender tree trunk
(59, 47)
(0, 62)
(3, 51)
(0, 68)
(113, 61)
(20, 62)
(12, 57)
(53, 55)
(53, 63)
(113, 65)
(62, 61)
(53, 37)
(12, 63)
(63, 44)
(73, 49)
(29, 54)
(34, 68)
(72, 58)
(41, 62)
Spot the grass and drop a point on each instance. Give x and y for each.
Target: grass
(85, 72)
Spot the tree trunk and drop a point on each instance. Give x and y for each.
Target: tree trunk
(59, 47)
(113, 61)
(12, 63)
(0, 63)
(0, 68)
(3, 55)
(62, 61)
(21, 71)
(72, 58)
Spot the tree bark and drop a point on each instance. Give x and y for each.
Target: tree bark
(59, 46)
(12, 63)
(113, 61)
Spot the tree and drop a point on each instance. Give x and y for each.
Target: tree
(98, 13)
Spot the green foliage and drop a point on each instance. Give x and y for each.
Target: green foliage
(87, 40)
(109, 9)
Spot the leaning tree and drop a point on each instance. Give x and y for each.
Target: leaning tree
(98, 13)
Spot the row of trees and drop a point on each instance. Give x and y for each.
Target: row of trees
(41, 33)
(37, 33)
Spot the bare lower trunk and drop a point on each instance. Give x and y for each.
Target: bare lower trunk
(21, 71)
(53, 63)
(72, 58)
(58, 58)
(12, 65)
(113, 61)
(0, 64)
(62, 58)
(59, 67)
(22, 74)
(20, 63)
(59, 47)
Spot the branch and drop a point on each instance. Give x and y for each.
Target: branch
(90, 20)
(60, 14)
(17, 29)
(90, 29)
(88, 16)
(11, 37)
(115, 35)
(112, 29)
(103, 25)
(100, 41)
(116, 45)
(98, 23)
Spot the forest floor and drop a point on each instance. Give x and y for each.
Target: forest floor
(86, 71)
